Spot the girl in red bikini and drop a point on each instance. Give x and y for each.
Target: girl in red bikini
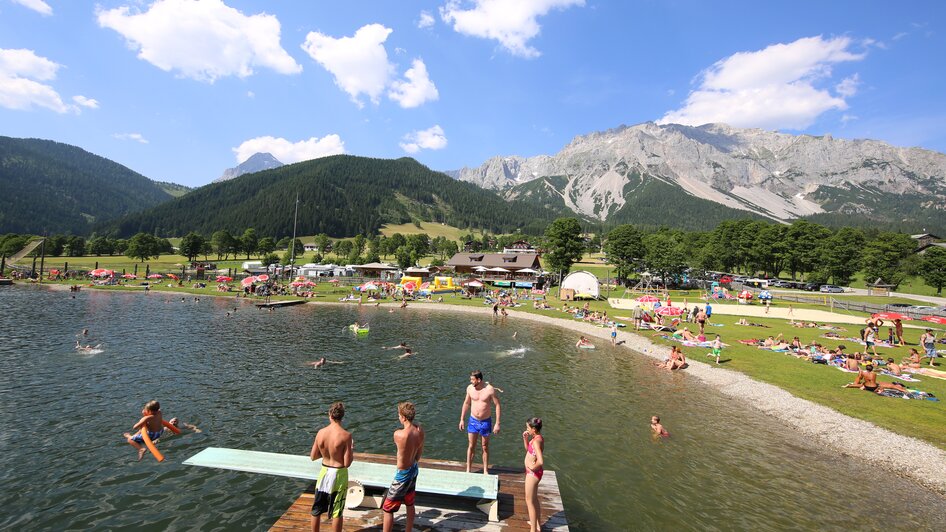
(534, 445)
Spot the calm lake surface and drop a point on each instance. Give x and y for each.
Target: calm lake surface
(243, 381)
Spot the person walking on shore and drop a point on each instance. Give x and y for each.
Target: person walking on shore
(928, 341)
(333, 444)
(534, 444)
(410, 446)
(479, 400)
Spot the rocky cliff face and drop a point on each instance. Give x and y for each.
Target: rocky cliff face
(778, 175)
(256, 163)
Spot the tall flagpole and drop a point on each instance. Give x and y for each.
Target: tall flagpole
(292, 245)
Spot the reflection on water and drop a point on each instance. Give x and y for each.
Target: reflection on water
(243, 380)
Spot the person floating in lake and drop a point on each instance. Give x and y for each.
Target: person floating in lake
(583, 342)
(318, 363)
(410, 446)
(534, 444)
(479, 400)
(657, 428)
(407, 352)
(402, 345)
(153, 422)
(333, 444)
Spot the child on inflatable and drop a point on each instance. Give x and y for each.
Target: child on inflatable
(153, 422)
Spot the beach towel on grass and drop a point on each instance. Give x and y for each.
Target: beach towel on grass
(845, 370)
(909, 394)
(903, 377)
(750, 341)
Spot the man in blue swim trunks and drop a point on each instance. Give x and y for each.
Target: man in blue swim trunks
(333, 444)
(480, 398)
(410, 446)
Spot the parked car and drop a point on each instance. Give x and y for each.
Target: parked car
(900, 305)
(778, 283)
(811, 287)
(831, 289)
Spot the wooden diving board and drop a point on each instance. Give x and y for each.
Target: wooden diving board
(376, 475)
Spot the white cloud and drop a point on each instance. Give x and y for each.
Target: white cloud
(91, 103)
(137, 137)
(21, 74)
(511, 22)
(426, 20)
(848, 86)
(203, 40)
(416, 90)
(774, 88)
(358, 63)
(427, 139)
(290, 152)
(39, 6)
(361, 67)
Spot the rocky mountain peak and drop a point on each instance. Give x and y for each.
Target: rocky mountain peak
(256, 163)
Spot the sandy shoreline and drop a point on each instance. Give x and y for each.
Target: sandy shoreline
(903, 455)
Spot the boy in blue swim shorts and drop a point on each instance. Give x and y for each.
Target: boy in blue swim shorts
(479, 401)
(153, 420)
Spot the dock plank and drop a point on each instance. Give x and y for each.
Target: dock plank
(439, 513)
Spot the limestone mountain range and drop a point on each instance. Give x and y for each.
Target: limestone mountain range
(776, 175)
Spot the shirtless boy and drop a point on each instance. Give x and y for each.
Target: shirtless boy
(153, 420)
(480, 397)
(410, 445)
(657, 428)
(333, 444)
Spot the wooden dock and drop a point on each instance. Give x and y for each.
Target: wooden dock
(445, 513)
(277, 304)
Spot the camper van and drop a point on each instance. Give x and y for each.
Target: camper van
(254, 266)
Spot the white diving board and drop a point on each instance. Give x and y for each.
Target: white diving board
(436, 481)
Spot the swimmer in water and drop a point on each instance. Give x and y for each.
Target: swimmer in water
(407, 353)
(402, 345)
(658, 429)
(318, 363)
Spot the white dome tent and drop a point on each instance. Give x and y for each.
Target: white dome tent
(581, 285)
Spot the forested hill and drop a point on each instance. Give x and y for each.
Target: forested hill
(341, 195)
(47, 185)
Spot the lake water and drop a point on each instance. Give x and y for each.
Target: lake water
(243, 381)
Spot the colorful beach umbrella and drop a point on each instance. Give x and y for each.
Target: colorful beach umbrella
(669, 311)
(334, 281)
(247, 281)
(745, 294)
(172, 276)
(475, 284)
(262, 278)
(130, 276)
(648, 299)
(224, 279)
(934, 319)
(155, 276)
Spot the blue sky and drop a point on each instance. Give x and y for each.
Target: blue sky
(179, 90)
